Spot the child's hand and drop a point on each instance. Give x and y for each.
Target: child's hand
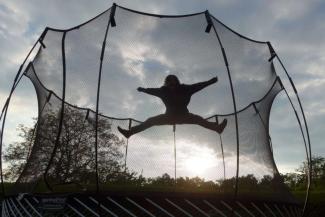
(215, 79)
(140, 89)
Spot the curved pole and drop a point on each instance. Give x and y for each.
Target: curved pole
(21, 67)
(307, 132)
(127, 146)
(233, 97)
(309, 160)
(223, 156)
(57, 140)
(175, 161)
(111, 21)
(4, 111)
(300, 126)
(307, 154)
(1, 135)
(36, 129)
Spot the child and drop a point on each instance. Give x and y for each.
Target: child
(176, 97)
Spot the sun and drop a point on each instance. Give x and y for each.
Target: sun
(198, 165)
(196, 159)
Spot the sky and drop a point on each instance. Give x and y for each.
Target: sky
(295, 29)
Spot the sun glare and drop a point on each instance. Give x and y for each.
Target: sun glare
(199, 164)
(196, 160)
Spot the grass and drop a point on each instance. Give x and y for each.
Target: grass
(316, 197)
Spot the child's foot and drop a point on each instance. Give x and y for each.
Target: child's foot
(125, 133)
(222, 126)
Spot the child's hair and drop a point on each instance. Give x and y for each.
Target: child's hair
(169, 79)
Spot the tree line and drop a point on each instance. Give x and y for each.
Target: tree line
(72, 157)
(298, 180)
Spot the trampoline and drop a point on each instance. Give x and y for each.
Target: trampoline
(86, 81)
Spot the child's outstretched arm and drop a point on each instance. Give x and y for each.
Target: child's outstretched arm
(151, 91)
(199, 86)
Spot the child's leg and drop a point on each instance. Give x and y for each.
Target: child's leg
(196, 119)
(162, 119)
(153, 121)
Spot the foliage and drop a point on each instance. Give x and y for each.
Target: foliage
(17, 152)
(298, 180)
(74, 159)
(74, 150)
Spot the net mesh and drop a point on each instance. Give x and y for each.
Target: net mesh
(140, 51)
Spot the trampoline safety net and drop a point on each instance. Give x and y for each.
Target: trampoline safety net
(86, 80)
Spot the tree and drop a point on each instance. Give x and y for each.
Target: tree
(17, 153)
(317, 172)
(248, 182)
(164, 180)
(73, 159)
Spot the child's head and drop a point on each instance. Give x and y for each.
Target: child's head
(171, 81)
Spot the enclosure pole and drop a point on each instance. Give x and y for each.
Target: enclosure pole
(300, 126)
(57, 140)
(273, 55)
(306, 127)
(127, 145)
(299, 102)
(35, 130)
(111, 17)
(6, 105)
(309, 160)
(18, 77)
(1, 135)
(233, 98)
(308, 150)
(223, 156)
(175, 168)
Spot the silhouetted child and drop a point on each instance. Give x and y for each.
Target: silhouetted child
(176, 97)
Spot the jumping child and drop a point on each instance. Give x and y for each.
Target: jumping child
(176, 97)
